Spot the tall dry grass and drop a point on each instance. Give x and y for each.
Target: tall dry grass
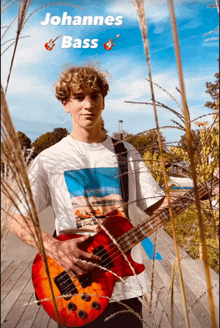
(185, 118)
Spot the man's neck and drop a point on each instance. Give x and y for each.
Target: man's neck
(88, 136)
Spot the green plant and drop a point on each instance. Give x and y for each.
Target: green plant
(188, 237)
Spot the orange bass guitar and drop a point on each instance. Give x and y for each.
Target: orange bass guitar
(82, 300)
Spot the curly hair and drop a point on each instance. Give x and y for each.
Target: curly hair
(77, 78)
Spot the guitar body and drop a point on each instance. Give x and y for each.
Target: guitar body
(108, 45)
(49, 45)
(88, 293)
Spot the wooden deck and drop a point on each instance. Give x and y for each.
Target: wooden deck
(17, 290)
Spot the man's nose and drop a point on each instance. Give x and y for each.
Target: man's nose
(88, 102)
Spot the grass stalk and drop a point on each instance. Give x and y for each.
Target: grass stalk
(191, 155)
(139, 4)
(12, 154)
(172, 294)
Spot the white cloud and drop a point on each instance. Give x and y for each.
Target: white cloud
(156, 11)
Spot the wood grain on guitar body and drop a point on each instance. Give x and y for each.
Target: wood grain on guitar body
(81, 300)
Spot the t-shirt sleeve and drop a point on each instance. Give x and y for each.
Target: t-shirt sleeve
(147, 189)
(39, 187)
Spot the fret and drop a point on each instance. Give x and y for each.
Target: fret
(165, 215)
(134, 235)
(124, 243)
(141, 230)
(148, 226)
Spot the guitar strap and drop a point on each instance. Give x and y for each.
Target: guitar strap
(122, 155)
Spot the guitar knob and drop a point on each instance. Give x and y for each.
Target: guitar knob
(71, 306)
(95, 305)
(86, 297)
(82, 314)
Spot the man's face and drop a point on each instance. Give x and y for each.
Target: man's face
(86, 108)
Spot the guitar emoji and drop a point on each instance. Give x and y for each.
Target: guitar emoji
(84, 298)
(108, 45)
(49, 45)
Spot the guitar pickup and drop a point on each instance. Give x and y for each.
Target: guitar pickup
(65, 284)
(85, 280)
(106, 261)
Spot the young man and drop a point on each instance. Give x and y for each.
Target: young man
(80, 175)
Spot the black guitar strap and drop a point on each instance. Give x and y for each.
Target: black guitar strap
(122, 155)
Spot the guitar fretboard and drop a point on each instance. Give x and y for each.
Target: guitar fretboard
(134, 236)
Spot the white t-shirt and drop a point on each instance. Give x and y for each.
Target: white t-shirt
(73, 177)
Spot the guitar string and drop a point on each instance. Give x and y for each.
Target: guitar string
(149, 228)
(127, 243)
(175, 202)
(136, 228)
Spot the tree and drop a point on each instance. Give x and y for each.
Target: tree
(196, 144)
(213, 90)
(209, 134)
(24, 140)
(144, 142)
(125, 135)
(48, 139)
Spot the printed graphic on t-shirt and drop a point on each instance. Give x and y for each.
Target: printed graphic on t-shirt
(94, 190)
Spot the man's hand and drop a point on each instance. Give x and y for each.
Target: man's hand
(69, 256)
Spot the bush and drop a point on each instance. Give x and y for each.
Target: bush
(188, 234)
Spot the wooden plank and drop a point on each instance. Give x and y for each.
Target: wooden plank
(168, 244)
(199, 290)
(16, 311)
(9, 271)
(29, 288)
(14, 293)
(11, 281)
(4, 265)
(201, 279)
(158, 315)
(42, 319)
(177, 296)
(200, 264)
(157, 309)
(52, 324)
(162, 249)
(29, 314)
(3, 295)
(163, 294)
(200, 312)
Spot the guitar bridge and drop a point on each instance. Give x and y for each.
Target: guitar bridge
(65, 285)
(106, 261)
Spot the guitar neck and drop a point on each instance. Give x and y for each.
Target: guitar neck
(55, 39)
(115, 38)
(134, 236)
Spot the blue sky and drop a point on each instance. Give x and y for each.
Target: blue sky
(30, 96)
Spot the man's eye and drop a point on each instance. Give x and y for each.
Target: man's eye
(79, 98)
(95, 96)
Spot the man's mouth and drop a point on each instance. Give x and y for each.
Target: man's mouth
(88, 115)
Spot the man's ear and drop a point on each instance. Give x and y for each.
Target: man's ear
(66, 106)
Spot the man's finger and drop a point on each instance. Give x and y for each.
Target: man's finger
(89, 257)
